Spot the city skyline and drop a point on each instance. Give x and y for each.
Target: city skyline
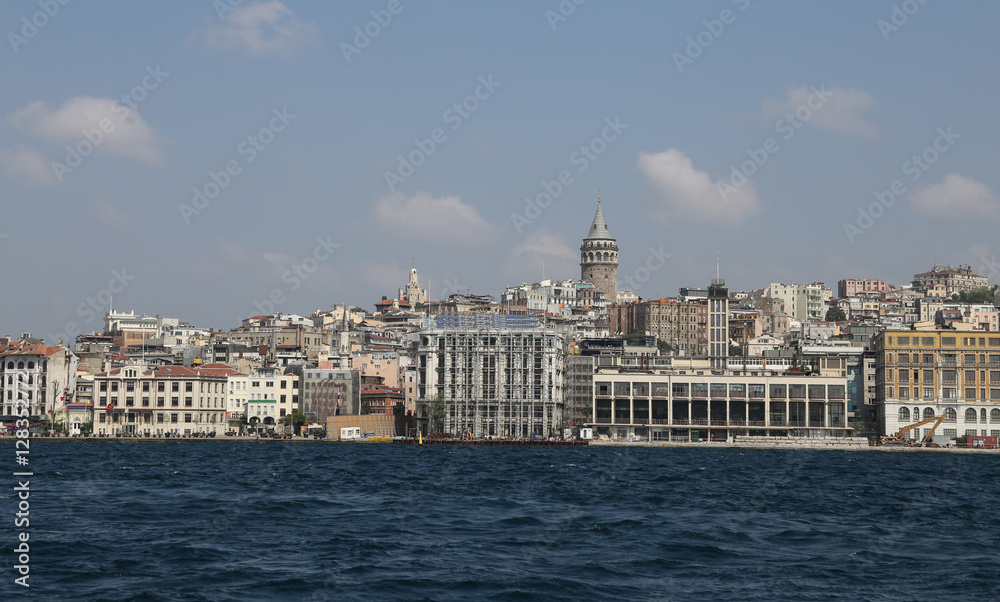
(243, 148)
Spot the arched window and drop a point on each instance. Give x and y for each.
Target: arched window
(950, 414)
(928, 413)
(970, 415)
(10, 365)
(982, 415)
(20, 365)
(31, 379)
(904, 414)
(31, 365)
(994, 415)
(916, 414)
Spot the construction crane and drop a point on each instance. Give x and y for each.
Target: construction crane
(900, 437)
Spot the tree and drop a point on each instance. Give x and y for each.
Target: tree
(835, 314)
(296, 419)
(736, 350)
(438, 414)
(664, 346)
(86, 428)
(977, 295)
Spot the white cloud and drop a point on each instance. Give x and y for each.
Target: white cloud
(956, 198)
(544, 243)
(422, 217)
(687, 193)
(119, 130)
(835, 108)
(28, 165)
(263, 28)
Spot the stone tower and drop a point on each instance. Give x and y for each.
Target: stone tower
(599, 257)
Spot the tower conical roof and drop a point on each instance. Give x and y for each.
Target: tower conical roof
(599, 227)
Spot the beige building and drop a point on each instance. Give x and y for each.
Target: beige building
(139, 399)
(920, 374)
(953, 279)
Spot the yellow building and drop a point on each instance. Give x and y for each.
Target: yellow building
(921, 374)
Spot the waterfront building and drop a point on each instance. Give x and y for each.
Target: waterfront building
(43, 376)
(920, 374)
(701, 406)
(802, 301)
(258, 401)
(138, 398)
(504, 382)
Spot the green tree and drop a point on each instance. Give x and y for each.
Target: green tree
(835, 314)
(664, 346)
(736, 350)
(296, 420)
(86, 428)
(977, 295)
(437, 414)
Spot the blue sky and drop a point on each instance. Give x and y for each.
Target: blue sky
(305, 218)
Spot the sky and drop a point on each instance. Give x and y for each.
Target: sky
(209, 161)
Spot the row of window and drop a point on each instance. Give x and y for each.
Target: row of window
(102, 418)
(20, 365)
(945, 341)
(946, 393)
(971, 415)
(213, 402)
(736, 390)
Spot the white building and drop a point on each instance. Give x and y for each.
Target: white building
(42, 376)
(492, 382)
(257, 401)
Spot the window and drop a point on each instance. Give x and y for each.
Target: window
(797, 391)
(950, 415)
(188, 402)
(970, 415)
(904, 340)
(904, 377)
(904, 393)
(928, 377)
(680, 389)
(187, 417)
(175, 387)
(947, 340)
(817, 391)
(104, 385)
(188, 387)
(621, 389)
(927, 341)
(928, 413)
(160, 386)
(778, 391)
(130, 385)
(114, 385)
(970, 393)
(159, 402)
(145, 386)
(904, 414)
(994, 415)
(175, 401)
(173, 417)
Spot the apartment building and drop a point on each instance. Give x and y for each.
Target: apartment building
(952, 279)
(43, 376)
(257, 401)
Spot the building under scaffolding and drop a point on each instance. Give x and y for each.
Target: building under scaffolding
(503, 382)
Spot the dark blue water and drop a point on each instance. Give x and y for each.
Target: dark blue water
(235, 521)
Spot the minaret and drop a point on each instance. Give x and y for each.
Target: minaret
(599, 256)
